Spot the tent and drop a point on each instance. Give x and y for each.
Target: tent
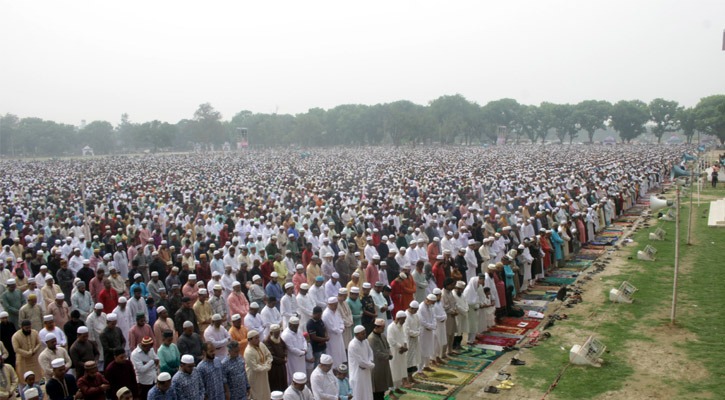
(88, 151)
(609, 140)
(674, 140)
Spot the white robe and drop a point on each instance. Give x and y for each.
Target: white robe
(470, 294)
(324, 385)
(335, 327)
(305, 305)
(125, 321)
(440, 334)
(412, 331)
(399, 364)
(491, 284)
(428, 325)
(296, 350)
(361, 369)
(288, 308)
(270, 316)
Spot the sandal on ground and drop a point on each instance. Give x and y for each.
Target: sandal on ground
(491, 389)
(516, 361)
(502, 386)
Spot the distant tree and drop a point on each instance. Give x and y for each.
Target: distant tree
(309, 130)
(662, 113)
(8, 133)
(710, 116)
(687, 122)
(99, 135)
(628, 118)
(209, 128)
(502, 112)
(591, 115)
(563, 121)
(548, 119)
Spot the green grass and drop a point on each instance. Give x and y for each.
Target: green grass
(701, 284)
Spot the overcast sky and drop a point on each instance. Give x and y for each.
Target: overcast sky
(94, 60)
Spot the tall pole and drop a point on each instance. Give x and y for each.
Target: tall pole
(689, 220)
(677, 255)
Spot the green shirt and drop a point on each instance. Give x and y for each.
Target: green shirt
(356, 310)
(169, 358)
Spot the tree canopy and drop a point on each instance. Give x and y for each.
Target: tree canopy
(449, 119)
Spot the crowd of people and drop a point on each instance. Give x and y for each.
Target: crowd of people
(349, 273)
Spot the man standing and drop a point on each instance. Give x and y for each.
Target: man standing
(187, 383)
(211, 374)
(296, 347)
(451, 309)
(33, 312)
(298, 389)
(111, 338)
(92, 384)
(190, 342)
(218, 336)
(323, 382)
(426, 315)
(96, 323)
(9, 381)
(288, 304)
(62, 386)
(169, 355)
(361, 365)
(162, 390)
(52, 352)
(124, 319)
(335, 327)
(412, 331)
(82, 351)
(12, 301)
(120, 374)
(258, 363)
(278, 349)
(235, 373)
(145, 363)
(382, 378)
(398, 342)
(26, 343)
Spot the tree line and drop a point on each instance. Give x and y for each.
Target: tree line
(448, 119)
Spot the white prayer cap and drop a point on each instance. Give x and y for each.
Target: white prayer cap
(255, 277)
(252, 334)
(356, 274)
(236, 317)
(294, 320)
(216, 273)
(122, 299)
(288, 285)
(460, 284)
(277, 395)
(439, 257)
(359, 329)
(202, 291)
(299, 266)
(431, 297)
(57, 363)
(436, 291)
(236, 283)
(366, 285)
(188, 324)
(98, 306)
(402, 275)
(304, 286)
(336, 275)
(354, 289)
(491, 267)
(254, 305)
(4, 314)
(402, 248)
(25, 376)
(48, 318)
(81, 330)
(324, 359)
(332, 300)
(216, 317)
(357, 253)
(86, 261)
(160, 309)
(274, 275)
(436, 239)
(414, 304)
(340, 253)
(164, 376)
(192, 276)
(187, 359)
(400, 314)
(449, 233)
(11, 281)
(50, 336)
(111, 317)
(155, 273)
(217, 287)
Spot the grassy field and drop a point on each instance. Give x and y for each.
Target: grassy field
(699, 332)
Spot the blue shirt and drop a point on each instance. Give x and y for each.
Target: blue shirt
(188, 386)
(156, 394)
(144, 289)
(273, 289)
(236, 377)
(345, 390)
(212, 378)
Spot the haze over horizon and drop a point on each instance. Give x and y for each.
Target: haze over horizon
(85, 60)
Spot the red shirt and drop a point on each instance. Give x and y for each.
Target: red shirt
(306, 257)
(439, 273)
(109, 299)
(267, 268)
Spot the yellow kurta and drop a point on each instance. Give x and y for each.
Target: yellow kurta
(258, 363)
(27, 348)
(7, 391)
(203, 313)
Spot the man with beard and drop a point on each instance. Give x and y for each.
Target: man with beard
(278, 373)
(211, 374)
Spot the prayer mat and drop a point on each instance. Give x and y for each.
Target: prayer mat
(511, 330)
(533, 308)
(505, 335)
(533, 297)
(466, 364)
(495, 340)
(534, 303)
(433, 387)
(476, 352)
(561, 281)
(530, 323)
(449, 376)
(413, 395)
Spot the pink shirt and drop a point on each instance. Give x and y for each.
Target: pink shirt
(238, 304)
(137, 333)
(371, 273)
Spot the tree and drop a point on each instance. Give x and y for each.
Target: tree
(8, 132)
(208, 127)
(591, 115)
(547, 117)
(709, 116)
(503, 112)
(563, 121)
(662, 113)
(99, 135)
(628, 118)
(686, 121)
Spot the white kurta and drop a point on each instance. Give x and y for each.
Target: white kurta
(270, 316)
(296, 350)
(412, 331)
(440, 333)
(254, 322)
(324, 385)
(462, 317)
(399, 364)
(361, 369)
(96, 324)
(428, 325)
(219, 337)
(335, 346)
(305, 304)
(491, 284)
(470, 294)
(288, 308)
(125, 321)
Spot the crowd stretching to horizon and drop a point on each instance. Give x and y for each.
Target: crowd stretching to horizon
(343, 273)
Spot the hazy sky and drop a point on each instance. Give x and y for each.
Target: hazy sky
(74, 60)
